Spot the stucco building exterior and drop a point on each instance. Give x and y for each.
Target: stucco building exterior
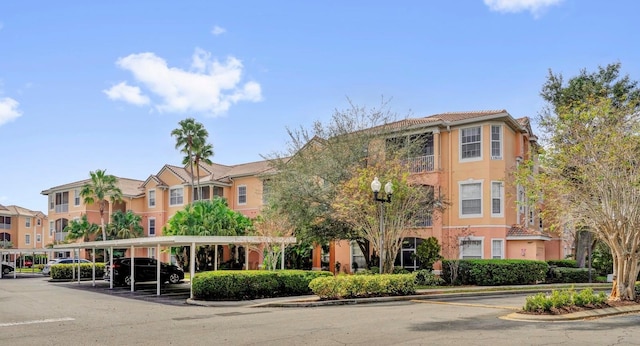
(23, 228)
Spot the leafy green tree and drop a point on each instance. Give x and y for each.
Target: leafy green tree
(99, 189)
(206, 218)
(125, 225)
(428, 253)
(188, 136)
(81, 229)
(591, 172)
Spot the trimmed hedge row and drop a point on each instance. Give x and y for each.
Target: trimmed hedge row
(361, 286)
(65, 271)
(570, 275)
(565, 263)
(495, 272)
(246, 285)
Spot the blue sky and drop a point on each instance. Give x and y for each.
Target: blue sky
(100, 85)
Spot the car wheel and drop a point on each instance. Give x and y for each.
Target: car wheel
(174, 278)
(6, 271)
(127, 280)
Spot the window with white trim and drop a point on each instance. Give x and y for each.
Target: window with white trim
(176, 196)
(358, 262)
(151, 251)
(76, 197)
(242, 194)
(496, 142)
(51, 203)
(27, 222)
(497, 248)
(471, 248)
(51, 228)
(38, 222)
(152, 199)
(540, 219)
(471, 199)
(27, 239)
(497, 198)
(151, 226)
(38, 238)
(471, 143)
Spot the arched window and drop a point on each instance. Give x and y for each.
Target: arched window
(5, 236)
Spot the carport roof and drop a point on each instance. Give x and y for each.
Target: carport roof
(179, 240)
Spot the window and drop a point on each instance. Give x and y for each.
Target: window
(218, 191)
(51, 229)
(76, 197)
(471, 199)
(152, 199)
(242, 194)
(152, 252)
(531, 216)
(497, 197)
(176, 196)
(38, 222)
(265, 190)
(152, 226)
(540, 219)
(38, 238)
(470, 248)
(27, 239)
(5, 222)
(206, 193)
(357, 258)
(496, 142)
(496, 248)
(61, 202)
(27, 222)
(470, 143)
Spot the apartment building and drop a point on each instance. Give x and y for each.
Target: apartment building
(23, 228)
(468, 159)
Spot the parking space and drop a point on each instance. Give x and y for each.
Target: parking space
(176, 294)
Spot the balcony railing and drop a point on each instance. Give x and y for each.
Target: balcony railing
(423, 221)
(62, 208)
(60, 236)
(5, 226)
(421, 164)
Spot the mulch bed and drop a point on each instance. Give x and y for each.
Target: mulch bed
(573, 308)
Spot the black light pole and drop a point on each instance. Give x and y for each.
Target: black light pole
(388, 189)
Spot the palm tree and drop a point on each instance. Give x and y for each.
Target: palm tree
(201, 153)
(125, 225)
(81, 228)
(187, 135)
(101, 187)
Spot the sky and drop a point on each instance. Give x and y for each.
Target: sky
(100, 85)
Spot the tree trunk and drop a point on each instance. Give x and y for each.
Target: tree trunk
(624, 277)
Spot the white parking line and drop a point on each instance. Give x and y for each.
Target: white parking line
(49, 320)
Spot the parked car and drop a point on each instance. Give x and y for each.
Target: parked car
(145, 270)
(6, 269)
(47, 267)
(24, 262)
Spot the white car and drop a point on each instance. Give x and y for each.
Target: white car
(47, 267)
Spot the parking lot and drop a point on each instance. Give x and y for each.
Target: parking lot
(34, 311)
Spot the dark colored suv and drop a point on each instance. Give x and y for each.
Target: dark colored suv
(145, 270)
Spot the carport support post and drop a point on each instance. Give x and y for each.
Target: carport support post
(246, 256)
(158, 278)
(133, 269)
(215, 258)
(111, 268)
(79, 265)
(192, 268)
(93, 267)
(282, 258)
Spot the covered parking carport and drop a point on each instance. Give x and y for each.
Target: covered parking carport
(30, 251)
(170, 242)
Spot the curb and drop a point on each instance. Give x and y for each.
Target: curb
(574, 316)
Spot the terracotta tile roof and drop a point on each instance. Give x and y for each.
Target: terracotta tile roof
(457, 116)
(521, 231)
(129, 187)
(443, 119)
(180, 172)
(16, 210)
(2, 207)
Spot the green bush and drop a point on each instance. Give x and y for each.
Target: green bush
(428, 253)
(495, 272)
(559, 299)
(570, 275)
(65, 271)
(360, 286)
(424, 277)
(244, 285)
(565, 263)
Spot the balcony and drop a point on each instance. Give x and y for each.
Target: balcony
(60, 236)
(423, 221)
(421, 164)
(62, 208)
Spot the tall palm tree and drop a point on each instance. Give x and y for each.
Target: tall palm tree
(187, 135)
(81, 228)
(101, 187)
(125, 225)
(201, 153)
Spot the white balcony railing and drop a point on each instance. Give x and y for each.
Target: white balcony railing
(62, 208)
(423, 221)
(60, 236)
(421, 164)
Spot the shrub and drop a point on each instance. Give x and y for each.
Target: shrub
(424, 277)
(559, 299)
(244, 285)
(360, 286)
(428, 253)
(496, 272)
(570, 275)
(565, 263)
(65, 271)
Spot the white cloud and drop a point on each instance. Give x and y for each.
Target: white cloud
(210, 86)
(8, 110)
(514, 6)
(217, 30)
(124, 92)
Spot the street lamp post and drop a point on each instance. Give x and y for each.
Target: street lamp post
(388, 189)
